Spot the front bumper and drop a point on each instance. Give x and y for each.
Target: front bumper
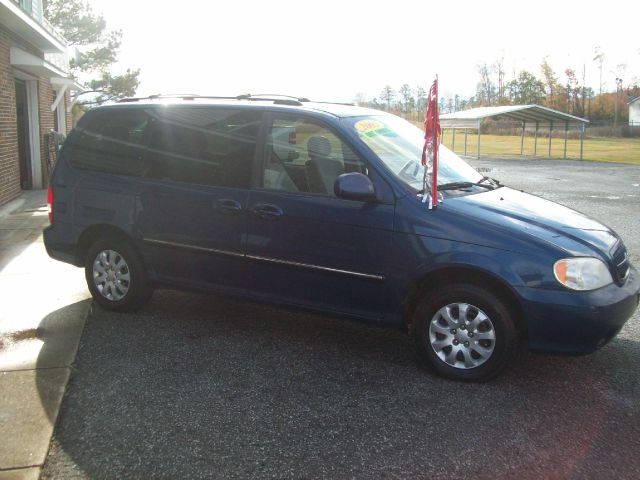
(565, 321)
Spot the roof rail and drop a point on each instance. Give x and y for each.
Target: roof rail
(274, 97)
(348, 104)
(184, 96)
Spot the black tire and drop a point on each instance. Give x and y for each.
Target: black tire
(462, 360)
(124, 287)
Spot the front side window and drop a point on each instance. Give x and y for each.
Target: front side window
(305, 156)
(203, 145)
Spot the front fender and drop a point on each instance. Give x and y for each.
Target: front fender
(509, 268)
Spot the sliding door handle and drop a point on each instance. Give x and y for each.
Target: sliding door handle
(267, 211)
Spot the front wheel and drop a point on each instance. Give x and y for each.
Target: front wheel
(115, 275)
(465, 332)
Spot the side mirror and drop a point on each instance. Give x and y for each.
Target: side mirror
(354, 186)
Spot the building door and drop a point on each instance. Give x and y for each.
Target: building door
(22, 120)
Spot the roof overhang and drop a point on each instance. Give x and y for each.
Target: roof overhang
(69, 83)
(532, 114)
(62, 85)
(37, 66)
(22, 24)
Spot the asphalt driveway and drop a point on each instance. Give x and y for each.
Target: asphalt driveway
(198, 386)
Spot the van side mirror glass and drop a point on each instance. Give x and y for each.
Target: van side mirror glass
(354, 186)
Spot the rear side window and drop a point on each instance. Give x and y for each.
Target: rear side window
(112, 142)
(203, 145)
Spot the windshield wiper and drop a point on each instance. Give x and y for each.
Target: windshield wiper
(463, 185)
(493, 184)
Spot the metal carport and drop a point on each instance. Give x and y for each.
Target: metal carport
(525, 114)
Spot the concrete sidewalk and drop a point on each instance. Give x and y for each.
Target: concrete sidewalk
(43, 307)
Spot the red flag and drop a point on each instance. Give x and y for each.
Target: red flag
(431, 138)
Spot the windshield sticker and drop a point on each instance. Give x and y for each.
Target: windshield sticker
(372, 128)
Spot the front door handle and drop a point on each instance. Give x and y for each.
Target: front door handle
(267, 211)
(227, 206)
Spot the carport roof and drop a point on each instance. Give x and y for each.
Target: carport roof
(520, 113)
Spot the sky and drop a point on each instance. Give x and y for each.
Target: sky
(332, 50)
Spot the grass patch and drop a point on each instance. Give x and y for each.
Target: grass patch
(616, 150)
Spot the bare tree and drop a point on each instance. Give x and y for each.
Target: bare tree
(387, 95)
(551, 84)
(599, 57)
(498, 67)
(486, 88)
(421, 99)
(407, 98)
(360, 99)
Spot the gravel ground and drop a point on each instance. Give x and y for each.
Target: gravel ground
(197, 386)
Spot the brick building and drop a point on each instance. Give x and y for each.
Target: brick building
(34, 96)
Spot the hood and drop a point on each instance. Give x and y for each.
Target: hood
(563, 227)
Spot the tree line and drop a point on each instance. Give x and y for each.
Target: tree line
(567, 93)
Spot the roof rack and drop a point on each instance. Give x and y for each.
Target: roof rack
(348, 104)
(183, 96)
(274, 97)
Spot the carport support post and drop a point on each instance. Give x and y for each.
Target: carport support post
(465, 141)
(453, 140)
(524, 124)
(566, 134)
(478, 152)
(581, 139)
(550, 130)
(535, 141)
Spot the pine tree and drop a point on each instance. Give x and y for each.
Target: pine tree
(98, 47)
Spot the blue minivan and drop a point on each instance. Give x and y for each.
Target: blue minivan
(319, 206)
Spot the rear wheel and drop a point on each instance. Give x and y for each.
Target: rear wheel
(465, 332)
(115, 275)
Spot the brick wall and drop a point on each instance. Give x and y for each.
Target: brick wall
(9, 163)
(9, 166)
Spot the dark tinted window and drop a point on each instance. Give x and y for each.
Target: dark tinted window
(203, 145)
(111, 141)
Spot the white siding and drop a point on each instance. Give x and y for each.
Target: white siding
(634, 112)
(36, 9)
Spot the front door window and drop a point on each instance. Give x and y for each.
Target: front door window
(306, 157)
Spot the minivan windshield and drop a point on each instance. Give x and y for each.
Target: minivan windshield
(399, 143)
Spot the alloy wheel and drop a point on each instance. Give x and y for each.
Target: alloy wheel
(462, 335)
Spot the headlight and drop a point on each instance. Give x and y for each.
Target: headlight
(582, 273)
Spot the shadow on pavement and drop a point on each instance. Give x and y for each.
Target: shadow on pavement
(201, 387)
(60, 333)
